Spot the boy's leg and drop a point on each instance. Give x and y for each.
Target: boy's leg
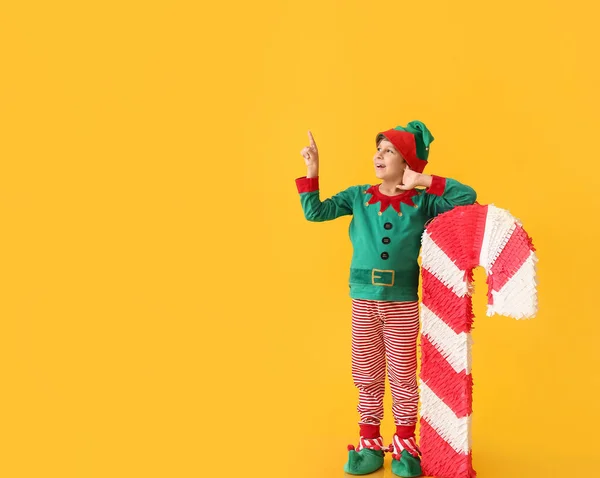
(401, 328)
(400, 331)
(368, 372)
(368, 364)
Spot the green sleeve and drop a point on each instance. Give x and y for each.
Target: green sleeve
(328, 209)
(445, 194)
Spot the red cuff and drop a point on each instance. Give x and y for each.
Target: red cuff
(438, 185)
(369, 431)
(405, 431)
(307, 185)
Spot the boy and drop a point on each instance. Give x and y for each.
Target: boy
(388, 221)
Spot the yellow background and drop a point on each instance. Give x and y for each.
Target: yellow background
(166, 311)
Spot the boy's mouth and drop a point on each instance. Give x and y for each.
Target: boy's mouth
(380, 166)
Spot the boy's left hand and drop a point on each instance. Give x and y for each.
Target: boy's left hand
(412, 179)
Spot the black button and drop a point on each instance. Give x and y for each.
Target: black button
(384, 255)
(388, 225)
(386, 240)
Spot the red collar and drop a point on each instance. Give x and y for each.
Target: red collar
(394, 201)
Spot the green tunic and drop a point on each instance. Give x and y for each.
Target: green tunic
(385, 231)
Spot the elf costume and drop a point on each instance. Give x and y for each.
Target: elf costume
(385, 232)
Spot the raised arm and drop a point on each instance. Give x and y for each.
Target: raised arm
(308, 188)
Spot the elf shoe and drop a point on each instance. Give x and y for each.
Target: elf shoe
(367, 459)
(407, 466)
(406, 461)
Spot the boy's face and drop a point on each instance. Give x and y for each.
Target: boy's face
(389, 163)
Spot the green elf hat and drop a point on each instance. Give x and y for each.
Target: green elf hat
(412, 141)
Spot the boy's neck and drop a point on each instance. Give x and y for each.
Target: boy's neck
(389, 188)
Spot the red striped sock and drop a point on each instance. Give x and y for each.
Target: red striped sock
(372, 443)
(408, 444)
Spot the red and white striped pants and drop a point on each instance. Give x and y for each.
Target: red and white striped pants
(385, 330)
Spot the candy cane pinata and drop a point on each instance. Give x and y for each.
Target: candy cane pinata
(453, 245)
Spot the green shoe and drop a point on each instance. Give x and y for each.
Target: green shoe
(407, 466)
(364, 461)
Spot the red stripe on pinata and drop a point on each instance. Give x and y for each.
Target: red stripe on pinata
(456, 312)
(440, 459)
(460, 234)
(455, 389)
(513, 256)
(479, 233)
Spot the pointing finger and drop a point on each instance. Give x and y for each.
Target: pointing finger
(312, 140)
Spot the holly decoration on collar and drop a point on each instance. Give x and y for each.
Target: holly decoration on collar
(394, 201)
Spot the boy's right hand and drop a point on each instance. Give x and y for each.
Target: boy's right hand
(311, 157)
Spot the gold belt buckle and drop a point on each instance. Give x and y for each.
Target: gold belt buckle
(376, 274)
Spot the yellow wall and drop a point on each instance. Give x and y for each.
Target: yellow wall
(166, 310)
